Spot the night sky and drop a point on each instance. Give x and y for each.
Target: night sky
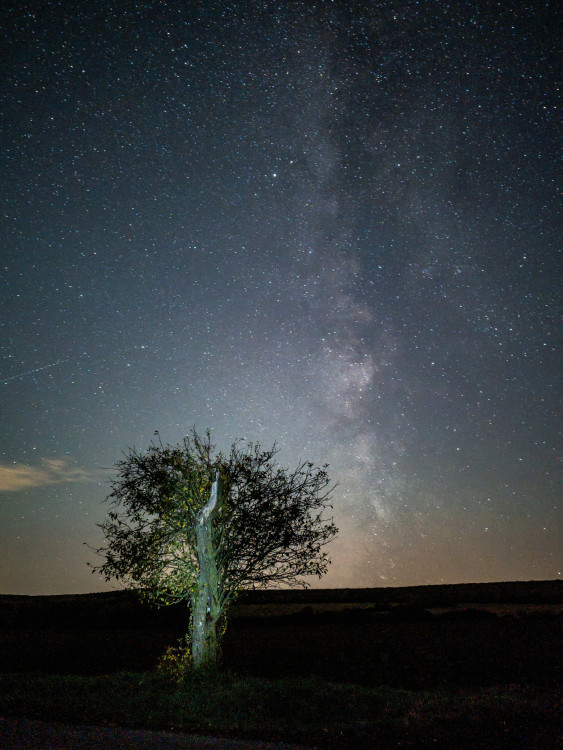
(326, 224)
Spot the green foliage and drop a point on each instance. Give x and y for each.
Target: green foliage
(176, 663)
(267, 527)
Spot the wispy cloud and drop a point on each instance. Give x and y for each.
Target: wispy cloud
(17, 476)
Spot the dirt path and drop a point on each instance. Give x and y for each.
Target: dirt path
(25, 734)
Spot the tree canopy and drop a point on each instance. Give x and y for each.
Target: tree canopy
(187, 523)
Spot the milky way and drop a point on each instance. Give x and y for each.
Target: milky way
(328, 225)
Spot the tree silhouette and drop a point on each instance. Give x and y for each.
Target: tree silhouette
(189, 525)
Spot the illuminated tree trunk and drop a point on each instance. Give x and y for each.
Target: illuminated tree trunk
(206, 605)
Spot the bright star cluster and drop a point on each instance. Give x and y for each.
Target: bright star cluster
(328, 225)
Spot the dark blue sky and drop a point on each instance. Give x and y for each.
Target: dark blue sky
(331, 225)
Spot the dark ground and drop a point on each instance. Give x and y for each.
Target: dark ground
(21, 734)
(420, 639)
(421, 654)
(393, 637)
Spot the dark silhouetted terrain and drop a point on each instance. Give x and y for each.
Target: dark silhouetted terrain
(414, 637)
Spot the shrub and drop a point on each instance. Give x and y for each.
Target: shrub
(176, 662)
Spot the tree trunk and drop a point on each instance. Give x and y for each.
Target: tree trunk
(206, 609)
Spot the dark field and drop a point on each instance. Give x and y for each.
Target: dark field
(500, 637)
(410, 651)
(418, 638)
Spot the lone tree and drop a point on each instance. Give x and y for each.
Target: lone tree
(188, 525)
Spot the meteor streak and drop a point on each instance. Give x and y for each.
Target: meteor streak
(36, 369)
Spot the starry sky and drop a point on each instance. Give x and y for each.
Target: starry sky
(331, 225)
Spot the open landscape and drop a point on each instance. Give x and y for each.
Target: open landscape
(469, 663)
